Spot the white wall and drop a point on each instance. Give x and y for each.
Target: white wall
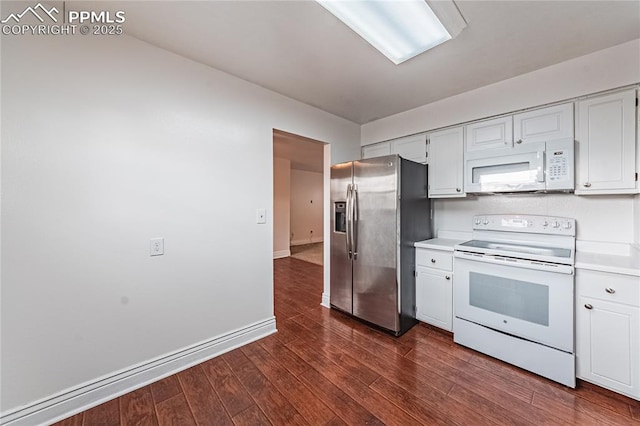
(281, 207)
(106, 143)
(306, 207)
(602, 70)
(599, 218)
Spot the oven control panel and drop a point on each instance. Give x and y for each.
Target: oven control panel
(525, 223)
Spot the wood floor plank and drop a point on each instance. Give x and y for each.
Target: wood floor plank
(235, 359)
(604, 398)
(304, 401)
(288, 329)
(206, 407)
(71, 421)
(410, 403)
(175, 412)
(464, 373)
(284, 355)
(577, 410)
(336, 421)
(493, 412)
(107, 414)
(137, 408)
(334, 353)
(382, 408)
(514, 405)
(233, 395)
(252, 416)
(341, 403)
(401, 369)
(432, 402)
(272, 403)
(165, 389)
(635, 410)
(354, 331)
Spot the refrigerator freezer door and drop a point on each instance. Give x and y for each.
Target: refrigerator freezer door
(341, 275)
(375, 242)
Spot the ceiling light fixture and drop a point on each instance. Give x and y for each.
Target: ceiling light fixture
(399, 29)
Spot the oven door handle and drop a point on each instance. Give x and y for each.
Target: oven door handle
(517, 263)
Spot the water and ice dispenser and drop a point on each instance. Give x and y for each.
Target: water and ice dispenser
(340, 216)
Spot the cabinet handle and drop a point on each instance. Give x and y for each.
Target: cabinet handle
(609, 290)
(519, 141)
(433, 261)
(447, 277)
(588, 306)
(458, 190)
(587, 184)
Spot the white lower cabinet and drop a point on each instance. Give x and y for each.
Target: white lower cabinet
(608, 330)
(434, 287)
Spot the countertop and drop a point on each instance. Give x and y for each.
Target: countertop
(445, 244)
(603, 257)
(618, 264)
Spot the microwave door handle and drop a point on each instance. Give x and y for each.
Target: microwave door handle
(542, 167)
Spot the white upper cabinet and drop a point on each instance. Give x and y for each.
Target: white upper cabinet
(412, 148)
(606, 144)
(376, 150)
(446, 165)
(495, 133)
(542, 125)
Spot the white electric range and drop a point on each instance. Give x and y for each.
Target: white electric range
(514, 292)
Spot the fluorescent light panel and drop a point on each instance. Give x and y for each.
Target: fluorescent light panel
(399, 29)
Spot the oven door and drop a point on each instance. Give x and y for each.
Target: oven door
(533, 304)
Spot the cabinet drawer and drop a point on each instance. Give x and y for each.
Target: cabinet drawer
(607, 286)
(434, 259)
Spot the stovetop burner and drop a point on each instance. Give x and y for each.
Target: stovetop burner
(527, 237)
(519, 249)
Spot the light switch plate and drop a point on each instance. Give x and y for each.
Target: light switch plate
(156, 246)
(261, 216)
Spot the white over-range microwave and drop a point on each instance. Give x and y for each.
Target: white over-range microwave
(537, 166)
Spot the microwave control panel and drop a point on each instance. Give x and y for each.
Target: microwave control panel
(559, 165)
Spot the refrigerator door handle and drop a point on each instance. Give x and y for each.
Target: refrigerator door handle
(348, 233)
(354, 221)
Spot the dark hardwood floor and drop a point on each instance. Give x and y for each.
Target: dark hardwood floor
(323, 368)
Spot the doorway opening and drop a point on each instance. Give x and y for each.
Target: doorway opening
(298, 197)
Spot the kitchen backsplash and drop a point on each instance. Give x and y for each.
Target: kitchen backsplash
(611, 218)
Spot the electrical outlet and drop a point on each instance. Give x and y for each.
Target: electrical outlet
(156, 247)
(261, 216)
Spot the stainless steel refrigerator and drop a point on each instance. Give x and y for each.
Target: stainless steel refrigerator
(379, 208)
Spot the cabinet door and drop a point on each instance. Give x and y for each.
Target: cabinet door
(544, 124)
(606, 144)
(434, 301)
(412, 148)
(608, 345)
(496, 133)
(376, 150)
(446, 163)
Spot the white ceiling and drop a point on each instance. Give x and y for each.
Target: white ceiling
(304, 154)
(300, 50)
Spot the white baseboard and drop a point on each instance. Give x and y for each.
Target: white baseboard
(325, 300)
(87, 395)
(282, 253)
(306, 241)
